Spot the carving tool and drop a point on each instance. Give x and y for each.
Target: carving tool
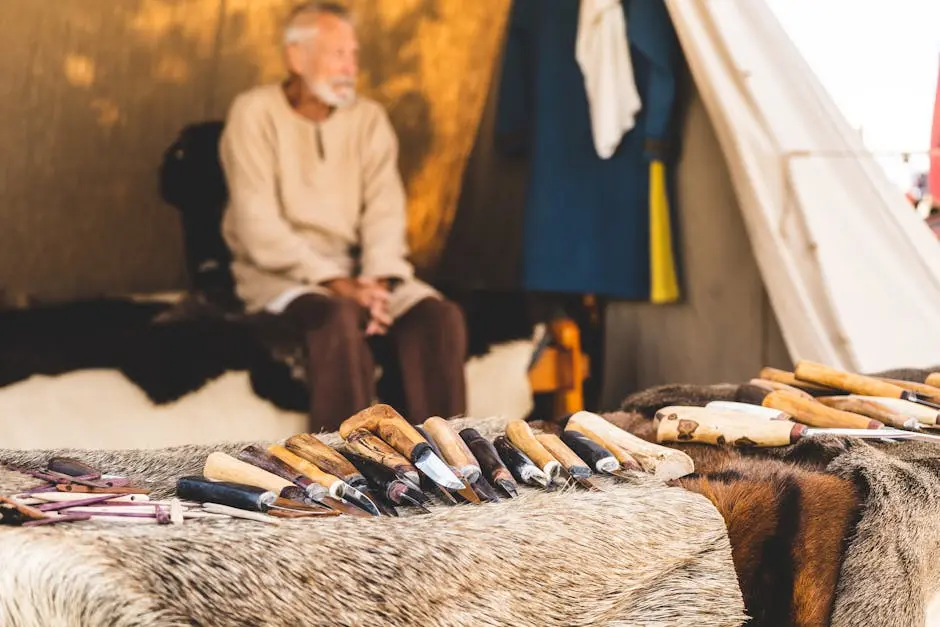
(626, 460)
(491, 466)
(239, 496)
(596, 456)
(663, 462)
(466, 492)
(338, 488)
(521, 435)
(453, 449)
(721, 428)
(575, 467)
(389, 425)
(856, 383)
(518, 463)
(815, 414)
(326, 458)
(698, 424)
(330, 461)
(387, 482)
(257, 456)
(880, 409)
(924, 415)
(366, 444)
(223, 467)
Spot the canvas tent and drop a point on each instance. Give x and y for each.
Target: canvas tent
(853, 274)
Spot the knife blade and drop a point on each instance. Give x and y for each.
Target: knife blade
(338, 488)
(575, 467)
(466, 492)
(389, 425)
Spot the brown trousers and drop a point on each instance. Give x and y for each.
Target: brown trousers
(422, 359)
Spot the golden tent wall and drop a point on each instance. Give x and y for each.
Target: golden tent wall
(95, 90)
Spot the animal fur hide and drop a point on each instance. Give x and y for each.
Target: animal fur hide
(639, 553)
(831, 530)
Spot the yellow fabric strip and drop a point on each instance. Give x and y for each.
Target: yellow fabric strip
(664, 284)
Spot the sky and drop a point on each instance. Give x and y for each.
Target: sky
(877, 58)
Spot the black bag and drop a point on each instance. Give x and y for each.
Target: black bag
(192, 181)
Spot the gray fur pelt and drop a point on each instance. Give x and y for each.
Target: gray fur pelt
(891, 563)
(639, 553)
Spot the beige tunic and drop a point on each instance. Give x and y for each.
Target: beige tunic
(303, 194)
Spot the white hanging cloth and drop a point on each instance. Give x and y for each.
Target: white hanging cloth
(603, 55)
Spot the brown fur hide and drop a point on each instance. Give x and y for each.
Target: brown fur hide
(829, 531)
(640, 553)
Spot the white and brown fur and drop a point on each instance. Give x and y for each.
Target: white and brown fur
(569, 558)
(830, 531)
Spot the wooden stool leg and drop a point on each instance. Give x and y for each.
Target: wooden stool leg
(569, 396)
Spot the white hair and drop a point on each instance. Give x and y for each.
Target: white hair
(295, 33)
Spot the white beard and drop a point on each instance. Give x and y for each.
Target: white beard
(329, 95)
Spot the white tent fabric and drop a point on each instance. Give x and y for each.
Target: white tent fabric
(852, 272)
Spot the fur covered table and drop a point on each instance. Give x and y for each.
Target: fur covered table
(636, 554)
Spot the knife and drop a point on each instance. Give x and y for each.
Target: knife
(575, 467)
(240, 496)
(490, 464)
(366, 444)
(518, 463)
(326, 458)
(857, 383)
(330, 461)
(387, 482)
(467, 491)
(389, 425)
(257, 456)
(223, 467)
(521, 435)
(724, 428)
(627, 461)
(453, 448)
(596, 456)
(337, 488)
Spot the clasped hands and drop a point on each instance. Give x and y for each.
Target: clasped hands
(372, 295)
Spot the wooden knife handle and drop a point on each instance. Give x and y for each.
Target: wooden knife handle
(453, 448)
(224, 467)
(368, 419)
(521, 435)
(776, 386)
(325, 457)
(402, 436)
(485, 453)
(568, 459)
(815, 414)
(927, 391)
(364, 443)
(933, 379)
(627, 461)
(874, 410)
(304, 467)
(257, 456)
(688, 424)
(789, 378)
(839, 380)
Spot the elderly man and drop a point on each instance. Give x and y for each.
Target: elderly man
(317, 228)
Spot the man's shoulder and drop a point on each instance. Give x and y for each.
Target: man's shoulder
(369, 109)
(255, 98)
